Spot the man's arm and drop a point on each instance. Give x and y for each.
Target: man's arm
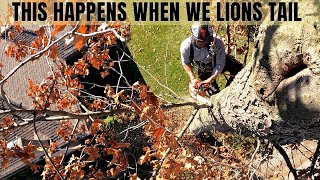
(186, 62)
(189, 71)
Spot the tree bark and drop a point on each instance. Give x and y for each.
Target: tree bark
(276, 95)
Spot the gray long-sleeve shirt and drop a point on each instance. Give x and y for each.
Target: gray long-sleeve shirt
(203, 55)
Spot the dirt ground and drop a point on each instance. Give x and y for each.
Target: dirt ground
(267, 164)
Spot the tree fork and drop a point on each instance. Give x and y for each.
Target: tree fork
(274, 95)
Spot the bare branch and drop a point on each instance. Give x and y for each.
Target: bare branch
(182, 131)
(101, 32)
(314, 160)
(248, 43)
(60, 115)
(286, 158)
(174, 105)
(44, 150)
(134, 127)
(71, 136)
(97, 85)
(170, 90)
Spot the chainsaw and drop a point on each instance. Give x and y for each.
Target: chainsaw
(202, 92)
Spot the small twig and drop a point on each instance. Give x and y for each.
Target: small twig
(286, 158)
(97, 85)
(182, 131)
(170, 90)
(121, 75)
(194, 104)
(92, 95)
(44, 150)
(119, 79)
(134, 127)
(165, 63)
(257, 167)
(234, 40)
(306, 147)
(255, 152)
(71, 136)
(228, 35)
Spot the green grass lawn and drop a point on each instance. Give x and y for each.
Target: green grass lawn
(156, 49)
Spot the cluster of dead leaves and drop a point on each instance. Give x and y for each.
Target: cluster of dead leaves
(25, 154)
(50, 93)
(17, 50)
(65, 129)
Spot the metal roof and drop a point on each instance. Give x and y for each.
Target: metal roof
(16, 88)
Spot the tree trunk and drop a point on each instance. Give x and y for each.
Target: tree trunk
(277, 94)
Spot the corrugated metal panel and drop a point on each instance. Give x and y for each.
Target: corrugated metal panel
(26, 132)
(64, 51)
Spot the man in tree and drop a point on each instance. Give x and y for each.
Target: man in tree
(205, 52)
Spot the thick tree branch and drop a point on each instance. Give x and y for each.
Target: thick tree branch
(53, 115)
